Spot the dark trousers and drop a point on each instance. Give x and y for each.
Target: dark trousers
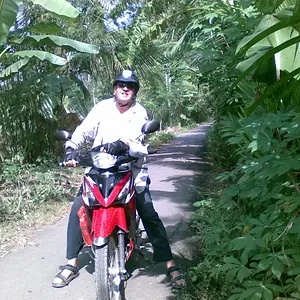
(151, 221)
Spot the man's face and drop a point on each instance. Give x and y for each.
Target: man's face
(124, 92)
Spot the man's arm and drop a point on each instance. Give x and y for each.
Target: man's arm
(136, 146)
(87, 130)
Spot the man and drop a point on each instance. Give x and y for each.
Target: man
(116, 123)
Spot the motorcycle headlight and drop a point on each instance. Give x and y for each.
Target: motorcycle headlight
(103, 160)
(125, 190)
(88, 195)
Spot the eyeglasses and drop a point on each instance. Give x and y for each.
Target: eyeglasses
(128, 85)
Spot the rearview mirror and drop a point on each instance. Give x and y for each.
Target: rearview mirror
(62, 135)
(150, 126)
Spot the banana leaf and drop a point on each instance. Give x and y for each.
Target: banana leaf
(270, 6)
(59, 7)
(10, 8)
(14, 68)
(43, 27)
(8, 13)
(267, 26)
(26, 55)
(271, 34)
(249, 65)
(42, 55)
(53, 40)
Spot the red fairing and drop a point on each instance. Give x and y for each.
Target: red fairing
(106, 219)
(85, 226)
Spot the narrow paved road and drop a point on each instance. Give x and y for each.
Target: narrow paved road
(26, 274)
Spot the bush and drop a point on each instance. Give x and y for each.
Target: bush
(251, 231)
(160, 138)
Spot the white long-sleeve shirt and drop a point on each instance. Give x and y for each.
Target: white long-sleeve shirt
(105, 124)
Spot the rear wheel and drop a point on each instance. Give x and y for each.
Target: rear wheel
(109, 285)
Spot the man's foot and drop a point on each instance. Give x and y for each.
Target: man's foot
(177, 279)
(65, 276)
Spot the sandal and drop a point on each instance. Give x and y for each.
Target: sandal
(65, 281)
(174, 280)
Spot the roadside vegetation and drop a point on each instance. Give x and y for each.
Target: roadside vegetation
(235, 62)
(31, 196)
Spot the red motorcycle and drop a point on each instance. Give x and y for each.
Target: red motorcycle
(108, 217)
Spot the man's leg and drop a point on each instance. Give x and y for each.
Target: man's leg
(74, 245)
(158, 237)
(74, 238)
(154, 227)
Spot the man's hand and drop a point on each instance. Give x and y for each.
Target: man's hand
(69, 157)
(116, 148)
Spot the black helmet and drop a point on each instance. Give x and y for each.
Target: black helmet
(128, 76)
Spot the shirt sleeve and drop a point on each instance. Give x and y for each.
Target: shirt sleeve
(87, 130)
(136, 146)
(137, 149)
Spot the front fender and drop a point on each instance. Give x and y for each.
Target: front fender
(105, 220)
(100, 241)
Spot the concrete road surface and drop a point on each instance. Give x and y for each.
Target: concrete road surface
(176, 170)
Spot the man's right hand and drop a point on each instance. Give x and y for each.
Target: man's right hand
(69, 157)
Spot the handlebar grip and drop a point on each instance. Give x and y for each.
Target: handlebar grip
(151, 150)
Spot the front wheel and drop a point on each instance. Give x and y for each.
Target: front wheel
(109, 285)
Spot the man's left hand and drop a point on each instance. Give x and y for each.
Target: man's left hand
(116, 148)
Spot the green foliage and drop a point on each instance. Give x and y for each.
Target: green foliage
(36, 89)
(60, 8)
(214, 221)
(9, 13)
(270, 56)
(256, 250)
(253, 244)
(32, 110)
(160, 138)
(219, 152)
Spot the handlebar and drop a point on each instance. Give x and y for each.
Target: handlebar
(85, 159)
(125, 159)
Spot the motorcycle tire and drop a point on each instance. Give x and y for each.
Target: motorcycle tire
(109, 284)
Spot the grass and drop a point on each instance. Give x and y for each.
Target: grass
(32, 197)
(160, 138)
